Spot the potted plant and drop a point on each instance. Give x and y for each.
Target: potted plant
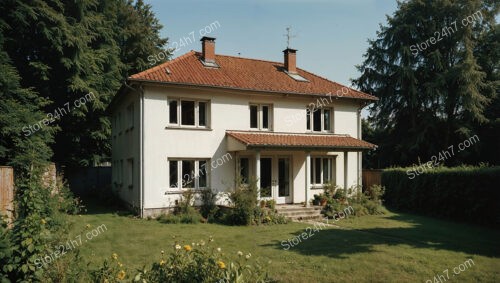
(323, 200)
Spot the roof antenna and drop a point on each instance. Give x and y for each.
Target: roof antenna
(289, 36)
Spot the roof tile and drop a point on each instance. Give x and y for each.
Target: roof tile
(246, 74)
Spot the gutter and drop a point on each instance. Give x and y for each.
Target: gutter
(252, 90)
(141, 149)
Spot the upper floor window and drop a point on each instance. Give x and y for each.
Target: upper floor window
(319, 119)
(191, 113)
(261, 116)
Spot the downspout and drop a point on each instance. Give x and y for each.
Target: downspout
(360, 156)
(141, 149)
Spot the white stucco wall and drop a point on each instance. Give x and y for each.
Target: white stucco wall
(229, 110)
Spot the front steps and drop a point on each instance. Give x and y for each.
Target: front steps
(299, 212)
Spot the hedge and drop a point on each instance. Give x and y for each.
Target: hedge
(463, 193)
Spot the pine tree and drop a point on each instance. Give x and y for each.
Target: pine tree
(432, 92)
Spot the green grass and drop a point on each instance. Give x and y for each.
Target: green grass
(395, 247)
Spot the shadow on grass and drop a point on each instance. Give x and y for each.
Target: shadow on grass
(95, 206)
(422, 233)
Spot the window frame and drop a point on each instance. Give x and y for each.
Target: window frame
(310, 119)
(196, 113)
(130, 116)
(196, 171)
(130, 171)
(312, 171)
(260, 116)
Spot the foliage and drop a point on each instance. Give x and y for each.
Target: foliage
(352, 201)
(433, 97)
(208, 207)
(63, 50)
(200, 262)
(244, 200)
(268, 216)
(5, 250)
(462, 193)
(183, 212)
(67, 202)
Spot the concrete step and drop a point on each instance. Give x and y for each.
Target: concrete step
(299, 213)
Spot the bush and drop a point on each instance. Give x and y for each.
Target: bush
(244, 199)
(338, 200)
(186, 263)
(208, 207)
(184, 212)
(462, 193)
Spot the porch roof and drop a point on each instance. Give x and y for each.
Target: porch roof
(242, 140)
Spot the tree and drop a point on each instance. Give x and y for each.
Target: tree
(424, 68)
(70, 51)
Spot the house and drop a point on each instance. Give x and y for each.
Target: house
(204, 120)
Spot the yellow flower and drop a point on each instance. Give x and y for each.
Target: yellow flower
(187, 248)
(120, 264)
(177, 247)
(121, 275)
(221, 264)
(248, 255)
(240, 253)
(88, 225)
(114, 256)
(219, 249)
(106, 281)
(162, 262)
(43, 221)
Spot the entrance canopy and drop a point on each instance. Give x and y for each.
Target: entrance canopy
(246, 140)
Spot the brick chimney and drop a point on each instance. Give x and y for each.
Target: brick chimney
(208, 49)
(290, 60)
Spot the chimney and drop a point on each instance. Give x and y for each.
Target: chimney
(208, 49)
(290, 60)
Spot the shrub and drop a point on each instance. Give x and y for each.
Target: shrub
(339, 200)
(208, 207)
(186, 263)
(244, 199)
(67, 202)
(463, 193)
(184, 212)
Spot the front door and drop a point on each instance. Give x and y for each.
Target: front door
(275, 173)
(283, 188)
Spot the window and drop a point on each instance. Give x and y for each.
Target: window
(202, 114)
(130, 173)
(322, 171)
(173, 173)
(191, 113)
(130, 116)
(187, 113)
(321, 120)
(260, 116)
(120, 173)
(172, 107)
(188, 173)
(254, 112)
(244, 169)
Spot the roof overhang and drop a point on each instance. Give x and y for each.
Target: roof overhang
(246, 140)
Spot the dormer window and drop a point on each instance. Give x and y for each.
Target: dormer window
(261, 116)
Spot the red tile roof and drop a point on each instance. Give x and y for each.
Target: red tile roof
(245, 74)
(288, 140)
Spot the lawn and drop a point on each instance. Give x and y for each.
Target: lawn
(394, 247)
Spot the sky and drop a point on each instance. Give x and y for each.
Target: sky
(330, 36)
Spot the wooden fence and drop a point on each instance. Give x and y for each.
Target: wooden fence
(371, 177)
(7, 192)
